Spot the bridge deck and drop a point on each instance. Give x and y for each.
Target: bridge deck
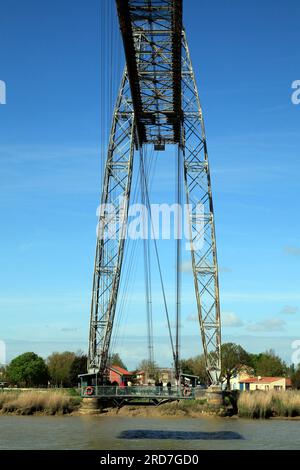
(138, 392)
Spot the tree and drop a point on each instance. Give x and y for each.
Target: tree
(291, 370)
(59, 365)
(233, 357)
(150, 368)
(78, 366)
(3, 374)
(195, 366)
(296, 379)
(115, 360)
(28, 369)
(270, 365)
(253, 358)
(186, 366)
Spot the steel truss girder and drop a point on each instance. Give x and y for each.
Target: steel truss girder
(113, 215)
(201, 218)
(151, 31)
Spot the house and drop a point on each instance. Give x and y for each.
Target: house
(119, 375)
(265, 383)
(243, 372)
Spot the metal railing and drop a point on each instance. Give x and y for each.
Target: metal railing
(137, 392)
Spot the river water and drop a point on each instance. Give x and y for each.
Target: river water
(120, 433)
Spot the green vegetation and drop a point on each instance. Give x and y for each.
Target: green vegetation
(59, 366)
(59, 370)
(296, 378)
(195, 366)
(150, 368)
(62, 369)
(268, 364)
(269, 404)
(115, 360)
(28, 370)
(233, 357)
(78, 366)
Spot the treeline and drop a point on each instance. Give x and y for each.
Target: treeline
(58, 370)
(62, 369)
(235, 358)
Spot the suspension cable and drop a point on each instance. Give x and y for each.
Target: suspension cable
(157, 255)
(147, 272)
(178, 260)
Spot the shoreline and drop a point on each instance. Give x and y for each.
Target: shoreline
(254, 406)
(77, 414)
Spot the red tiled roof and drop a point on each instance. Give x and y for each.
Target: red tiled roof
(264, 380)
(120, 370)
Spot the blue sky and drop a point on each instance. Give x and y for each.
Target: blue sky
(246, 56)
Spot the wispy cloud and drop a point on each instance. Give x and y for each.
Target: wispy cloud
(230, 319)
(267, 325)
(292, 250)
(289, 310)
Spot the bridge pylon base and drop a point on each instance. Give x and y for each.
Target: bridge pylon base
(214, 396)
(91, 406)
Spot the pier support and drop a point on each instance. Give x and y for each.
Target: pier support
(214, 396)
(91, 406)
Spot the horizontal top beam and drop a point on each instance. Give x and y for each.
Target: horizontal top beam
(152, 33)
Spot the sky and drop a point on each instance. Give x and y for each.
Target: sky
(246, 57)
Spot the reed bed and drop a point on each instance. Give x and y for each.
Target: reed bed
(31, 402)
(261, 404)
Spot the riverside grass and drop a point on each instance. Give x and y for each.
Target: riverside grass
(261, 404)
(256, 404)
(32, 402)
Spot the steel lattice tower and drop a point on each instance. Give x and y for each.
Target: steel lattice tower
(158, 103)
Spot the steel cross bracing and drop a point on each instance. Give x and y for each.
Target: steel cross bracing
(150, 110)
(151, 31)
(111, 229)
(201, 217)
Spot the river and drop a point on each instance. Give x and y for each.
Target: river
(108, 433)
